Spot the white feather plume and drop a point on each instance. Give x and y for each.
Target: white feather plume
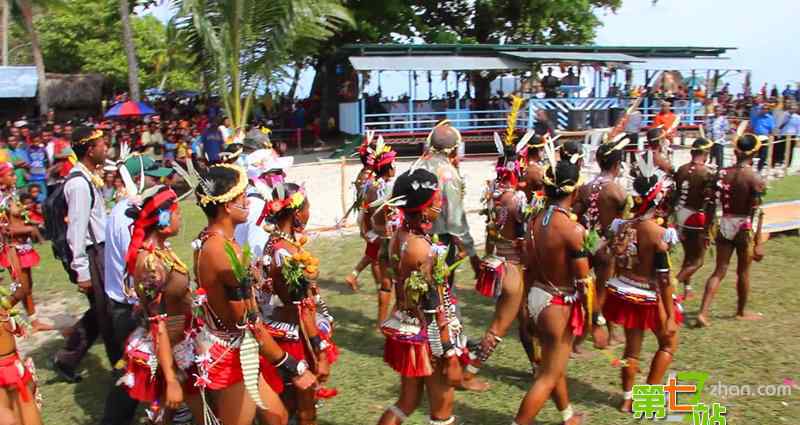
(550, 153)
(498, 144)
(646, 164)
(523, 142)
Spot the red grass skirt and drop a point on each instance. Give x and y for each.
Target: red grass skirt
(28, 258)
(14, 374)
(412, 359)
(372, 249)
(635, 315)
(226, 369)
(270, 374)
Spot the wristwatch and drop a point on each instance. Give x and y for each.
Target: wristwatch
(302, 367)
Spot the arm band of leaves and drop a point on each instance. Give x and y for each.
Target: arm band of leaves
(661, 262)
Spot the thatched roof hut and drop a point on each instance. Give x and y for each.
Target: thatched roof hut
(75, 91)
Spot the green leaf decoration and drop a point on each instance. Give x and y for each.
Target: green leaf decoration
(239, 271)
(415, 286)
(591, 241)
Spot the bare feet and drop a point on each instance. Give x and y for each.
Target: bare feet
(616, 340)
(626, 406)
(474, 384)
(747, 316)
(352, 282)
(576, 419)
(600, 337)
(702, 321)
(42, 326)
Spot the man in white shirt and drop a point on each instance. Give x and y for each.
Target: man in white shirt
(265, 169)
(120, 408)
(789, 130)
(86, 236)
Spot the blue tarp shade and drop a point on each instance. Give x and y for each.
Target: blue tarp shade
(18, 82)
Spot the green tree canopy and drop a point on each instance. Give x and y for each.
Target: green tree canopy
(84, 36)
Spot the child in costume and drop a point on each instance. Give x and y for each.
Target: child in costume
(232, 339)
(159, 354)
(641, 295)
(292, 307)
(425, 343)
(506, 209)
(17, 254)
(380, 221)
(363, 181)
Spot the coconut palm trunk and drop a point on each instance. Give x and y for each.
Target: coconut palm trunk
(26, 9)
(130, 51)
(5, 13)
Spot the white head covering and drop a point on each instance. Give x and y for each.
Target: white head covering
(264, 160)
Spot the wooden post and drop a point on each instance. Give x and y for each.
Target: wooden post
(343, 173)
(770, 148)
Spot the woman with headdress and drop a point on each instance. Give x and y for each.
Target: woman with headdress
(232, 339)
(17, 253)
(560, 291)
(293, 310)
(599, 202)
(381, 222)
(425, 343)
(738, 190)
(363, 181)
(640, 295)
(506, 207)
(159, 354)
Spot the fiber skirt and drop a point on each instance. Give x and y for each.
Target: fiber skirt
(634, 310)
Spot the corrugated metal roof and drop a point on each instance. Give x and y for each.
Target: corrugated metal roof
(574, 57)
(493, 49)
(18, 82)
(434, 63)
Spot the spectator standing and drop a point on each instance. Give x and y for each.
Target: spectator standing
(212, 141)
(666, 119)
(762, 123)
(789, 129)
(37, 156)
(19, 158)
(718, 127)
(86, 237)
(632, 129)
(543, 125)
(550, 84)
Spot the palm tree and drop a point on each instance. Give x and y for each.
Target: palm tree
(4, 22)
(130, 50)
(26, 10)
(243, 42)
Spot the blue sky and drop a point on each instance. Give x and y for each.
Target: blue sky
(766, 33)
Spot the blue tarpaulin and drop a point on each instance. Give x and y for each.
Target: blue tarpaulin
(17, 81)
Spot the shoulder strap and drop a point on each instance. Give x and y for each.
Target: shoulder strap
(73, 175)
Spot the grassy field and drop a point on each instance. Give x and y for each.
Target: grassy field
(732, 352)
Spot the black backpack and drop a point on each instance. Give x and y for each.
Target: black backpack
(55, 222)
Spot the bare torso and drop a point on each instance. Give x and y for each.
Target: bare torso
(692, 180)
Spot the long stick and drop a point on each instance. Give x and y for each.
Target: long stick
(343, 188)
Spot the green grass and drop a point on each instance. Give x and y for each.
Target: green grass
(733, 352)
(787, 190)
